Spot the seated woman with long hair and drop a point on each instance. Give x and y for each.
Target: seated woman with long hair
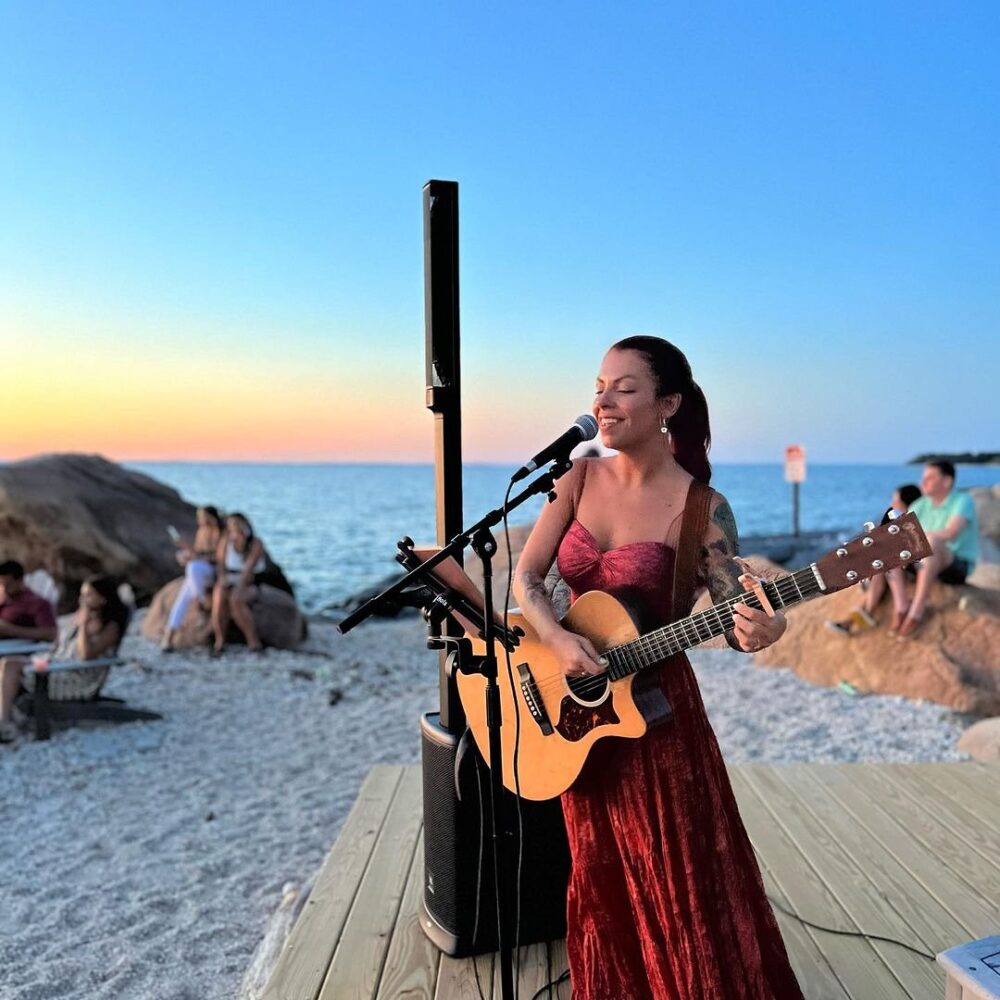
(242, 565)
(198, 560)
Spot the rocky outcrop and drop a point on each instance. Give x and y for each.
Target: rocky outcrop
(77, 515)
(982, 741)
(279, 621)
(953, 660)
(987, 571)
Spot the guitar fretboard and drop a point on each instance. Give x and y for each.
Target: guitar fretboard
(698, 628)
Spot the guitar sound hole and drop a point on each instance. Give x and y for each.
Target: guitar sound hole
(588, 688)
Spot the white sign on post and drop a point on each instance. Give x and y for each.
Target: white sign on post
(795, 464)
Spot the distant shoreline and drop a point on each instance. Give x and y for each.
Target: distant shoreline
(959, 458)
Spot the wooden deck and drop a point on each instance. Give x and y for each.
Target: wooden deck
(905, 851)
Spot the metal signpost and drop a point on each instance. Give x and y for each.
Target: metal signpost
(795, 473)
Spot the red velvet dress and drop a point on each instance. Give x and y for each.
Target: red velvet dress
(665, 900)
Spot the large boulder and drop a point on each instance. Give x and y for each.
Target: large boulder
(953, 660)
(982, 741)
(77, 515)
(987, 571)
(987, 501)
(279, 621)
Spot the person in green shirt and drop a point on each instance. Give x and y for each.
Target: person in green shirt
(948, 518)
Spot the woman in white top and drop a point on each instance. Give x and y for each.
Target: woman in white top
(240, 559)
(198, 560)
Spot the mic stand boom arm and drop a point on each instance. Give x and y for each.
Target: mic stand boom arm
(421, 574)
(480, 537)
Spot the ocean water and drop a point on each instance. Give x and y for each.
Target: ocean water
(334, 528)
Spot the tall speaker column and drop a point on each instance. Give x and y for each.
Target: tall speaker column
(443, 379)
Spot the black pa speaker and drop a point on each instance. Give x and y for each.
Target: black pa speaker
(458, 852)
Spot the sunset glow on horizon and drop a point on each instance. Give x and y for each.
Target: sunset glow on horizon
(212, 245)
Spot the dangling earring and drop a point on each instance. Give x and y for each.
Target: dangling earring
(664, 429)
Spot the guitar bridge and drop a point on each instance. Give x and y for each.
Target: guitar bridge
(533, 700)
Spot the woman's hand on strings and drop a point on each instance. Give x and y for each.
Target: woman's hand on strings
(756, 630)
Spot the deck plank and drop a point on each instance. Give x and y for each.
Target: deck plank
(457, 978)
(950, 891)
(936, 928)
(812, 969)
(866, 905)
(933, 828)
(302, 965)
(974, 817)
(358, 960)
(540, 964)
(411, 964)
(859, 968)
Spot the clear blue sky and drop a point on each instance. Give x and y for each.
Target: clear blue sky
(804, 199)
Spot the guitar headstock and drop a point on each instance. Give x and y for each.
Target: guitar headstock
(897, 543)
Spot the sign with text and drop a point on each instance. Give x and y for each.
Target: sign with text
(795, 464)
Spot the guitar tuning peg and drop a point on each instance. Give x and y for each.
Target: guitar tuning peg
(869, 525)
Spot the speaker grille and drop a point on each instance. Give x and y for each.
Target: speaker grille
(453, 839)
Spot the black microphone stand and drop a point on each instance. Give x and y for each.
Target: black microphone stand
(480, 537)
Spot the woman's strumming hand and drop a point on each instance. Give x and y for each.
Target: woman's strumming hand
(576, 654)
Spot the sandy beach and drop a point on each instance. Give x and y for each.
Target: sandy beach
(143, 861)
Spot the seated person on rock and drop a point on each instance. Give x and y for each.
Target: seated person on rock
(949, 520)
(862, 617)
(198, 560)
(242, 566)
(96, 631)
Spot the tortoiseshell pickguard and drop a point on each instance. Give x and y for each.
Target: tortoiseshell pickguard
(576, 720)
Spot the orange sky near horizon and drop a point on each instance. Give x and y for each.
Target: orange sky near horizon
(153, 405)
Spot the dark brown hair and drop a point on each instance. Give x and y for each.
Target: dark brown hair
(689, 428)
(114, 608)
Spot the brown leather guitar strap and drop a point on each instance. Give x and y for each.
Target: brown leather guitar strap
(578, 490)
(694, 524)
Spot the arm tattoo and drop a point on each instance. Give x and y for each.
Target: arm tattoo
(723, 517)
(722, 572)
(533, 585)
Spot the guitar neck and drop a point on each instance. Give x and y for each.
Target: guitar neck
(654, 647)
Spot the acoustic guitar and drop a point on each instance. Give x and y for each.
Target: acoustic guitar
(553, 721)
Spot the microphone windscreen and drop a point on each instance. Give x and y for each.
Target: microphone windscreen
(588, 425)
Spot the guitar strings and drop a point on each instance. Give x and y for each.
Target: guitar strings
(676, 637)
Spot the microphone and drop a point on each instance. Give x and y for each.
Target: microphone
(584, 429)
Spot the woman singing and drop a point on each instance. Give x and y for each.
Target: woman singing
(665, 899)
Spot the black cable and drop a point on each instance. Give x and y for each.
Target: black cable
(517, 741)
(550, 984)
(858, 934)
(479, 876)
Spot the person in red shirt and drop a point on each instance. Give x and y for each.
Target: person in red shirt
(23, 615)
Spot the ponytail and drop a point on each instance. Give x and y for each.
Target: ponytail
(690, 434)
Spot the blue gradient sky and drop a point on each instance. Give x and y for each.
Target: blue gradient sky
(211, 242)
